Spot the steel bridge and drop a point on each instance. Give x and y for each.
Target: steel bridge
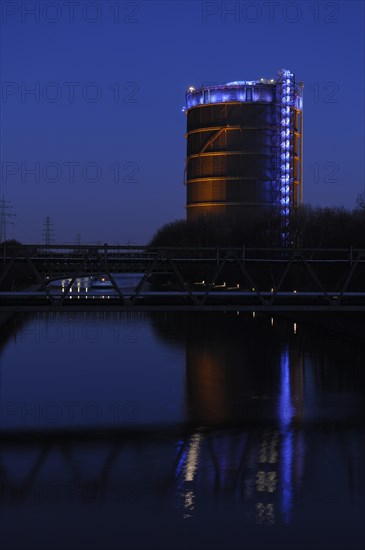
(196, 279)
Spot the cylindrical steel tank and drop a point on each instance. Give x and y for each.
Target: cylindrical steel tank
(233, 150)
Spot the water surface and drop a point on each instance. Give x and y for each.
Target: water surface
(180, 431)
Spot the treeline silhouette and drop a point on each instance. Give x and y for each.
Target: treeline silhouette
(308, 228)
(20, 275)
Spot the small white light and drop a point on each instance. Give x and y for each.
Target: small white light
(191, 89)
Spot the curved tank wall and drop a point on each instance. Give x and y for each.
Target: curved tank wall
(230, 159)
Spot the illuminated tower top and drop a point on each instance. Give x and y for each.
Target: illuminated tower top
(261, 90)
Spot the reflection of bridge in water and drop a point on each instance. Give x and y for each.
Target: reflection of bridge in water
(196, 279)
(268, 470)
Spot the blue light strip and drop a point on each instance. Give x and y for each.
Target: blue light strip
(286, 102)
(286, 414)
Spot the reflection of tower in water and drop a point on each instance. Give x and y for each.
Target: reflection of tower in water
(232, 381)
(229, 374)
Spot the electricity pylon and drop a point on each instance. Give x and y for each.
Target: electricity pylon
(4, 218)
(48, 233)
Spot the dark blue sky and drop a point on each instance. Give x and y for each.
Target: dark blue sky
(110, 81)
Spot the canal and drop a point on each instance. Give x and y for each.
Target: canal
(180, 430)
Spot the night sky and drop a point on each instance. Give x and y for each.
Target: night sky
(110, 80)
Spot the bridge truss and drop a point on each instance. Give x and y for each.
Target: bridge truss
(214, 278)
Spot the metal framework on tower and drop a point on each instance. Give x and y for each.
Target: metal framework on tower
(285, 91)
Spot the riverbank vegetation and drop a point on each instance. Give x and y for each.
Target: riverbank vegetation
(309, 228)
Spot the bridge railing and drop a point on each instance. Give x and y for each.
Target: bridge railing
(211, 253)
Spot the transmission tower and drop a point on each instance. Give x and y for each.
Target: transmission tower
(4, 218)
(48, 233)
(78, 239)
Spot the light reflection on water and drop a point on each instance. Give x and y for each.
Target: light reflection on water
(207, 425)
(286, 416)
(97, 286)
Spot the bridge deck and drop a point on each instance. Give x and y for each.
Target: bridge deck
(185, 301)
